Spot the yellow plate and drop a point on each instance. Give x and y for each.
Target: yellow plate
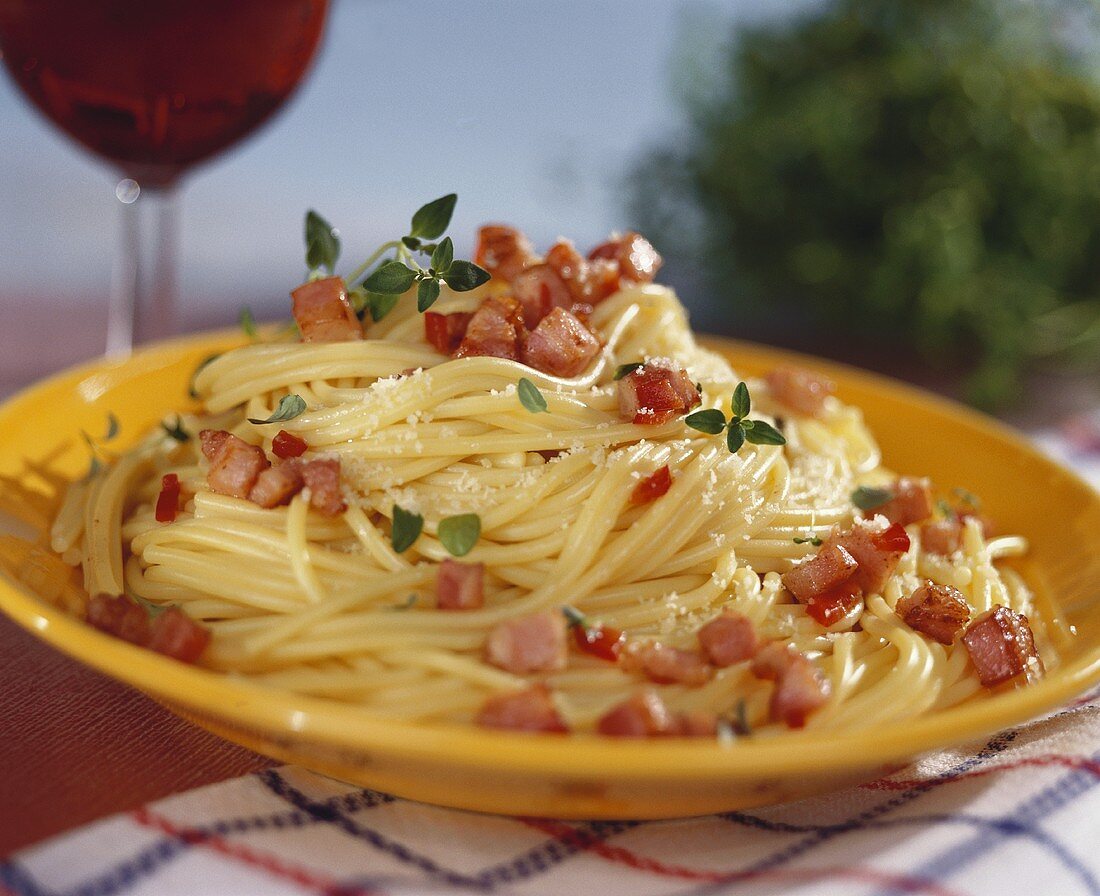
(583, 776)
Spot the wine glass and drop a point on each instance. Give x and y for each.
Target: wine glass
(156, 87)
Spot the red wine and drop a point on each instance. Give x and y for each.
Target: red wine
(156, 86)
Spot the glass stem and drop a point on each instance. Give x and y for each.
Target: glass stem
(143, 278)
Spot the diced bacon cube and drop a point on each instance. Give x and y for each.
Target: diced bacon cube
(322, 312)
(652, 487)
(168, 500)
(800, 688)
(503, 251)
(877, 546)
(941, 537)
(912, 501)
(588, 281)
(666, 665)
(533, 643)
(637, 260)
(830, 567)
(938, 611)
(496, 329)
(800, 390)
(531, 709)
(644, 714)
(444, 332)
(560, 345)
(276, 485)
(658, 391)
(829, 607)
(286, 445)
(119, 616)
(539, 290)
(460, 586)
(1002, 646)
(728, 638)
(798, 692)
(322, 478)
(234, 464)
(175, 634)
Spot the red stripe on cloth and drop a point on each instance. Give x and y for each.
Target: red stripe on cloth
(247, 856)
(1078, 763)
(571, 836)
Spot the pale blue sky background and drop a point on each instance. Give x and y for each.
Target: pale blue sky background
(532, 112)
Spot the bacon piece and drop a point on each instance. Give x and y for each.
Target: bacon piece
(643, 714)
(119, 616)
(696, 723)
(560, 345)
(534, 643)
(540, 290)
(444, 332)
(276, 485)
(830, 567)
(667, 665)
(234, 464)
(912, 501)
(829, 607)
(656, 392)
(637, 259)
(1001, 646)
(168, 501)
(495, 329)
(601, 641)
(322, 312)
(877, 547)
(728, 638)
(503, 251)
(800, 688)
(177, 635)
(941, 537)
(938, 611)
(531, 709)
(286, 444)
(652, 487)
(588, 281)
(460, 586)
(800, 390)
(322, 478)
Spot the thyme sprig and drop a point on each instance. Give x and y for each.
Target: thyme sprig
(387, 278)
(739, 428)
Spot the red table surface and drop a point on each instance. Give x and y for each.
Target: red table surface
(76, 746)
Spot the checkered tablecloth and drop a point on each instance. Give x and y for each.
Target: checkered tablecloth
(1018, 813)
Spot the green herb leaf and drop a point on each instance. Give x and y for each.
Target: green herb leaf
(945, 509)
(247, 322)
(380, 305)
(176, 431)
(574, 617)
(735, 437)
(530, 396)
(154, 610)
(968, 498)
(761, 433)
(867, 497)
(112, 427)
(432, 219)
(740, 404)
(465, 275)
(426, 294)
(406, 529)
(740, 720)
(391, 278)
(443, 255)
(459, 534)
(322, 244)
(290, 406)
(411, 242)
(203, 364)
(711, 421)
(93, 469)
(407, 604)
(627, 369)
(815, 540)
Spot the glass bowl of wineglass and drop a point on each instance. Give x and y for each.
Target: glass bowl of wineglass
(156, 88)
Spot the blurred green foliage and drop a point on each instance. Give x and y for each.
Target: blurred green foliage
(925, 171)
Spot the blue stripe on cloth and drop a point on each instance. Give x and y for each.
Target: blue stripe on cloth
(1021, 821)
(148, 861)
